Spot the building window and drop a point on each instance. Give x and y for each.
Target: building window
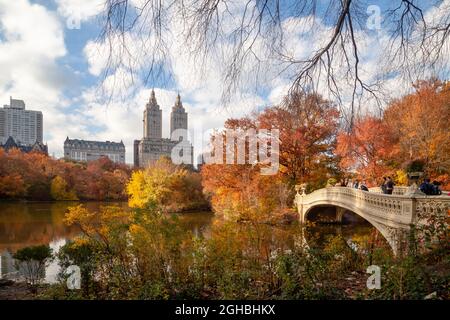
(79, 155)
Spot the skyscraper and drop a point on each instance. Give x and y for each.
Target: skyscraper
(178, 116)
(152, 119)
(24, 126)
(153, 146)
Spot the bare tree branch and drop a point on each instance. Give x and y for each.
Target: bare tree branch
(249, 37)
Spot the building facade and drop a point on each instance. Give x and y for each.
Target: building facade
(24, 126)
(35, 147)
(153, 146)
(84, 150)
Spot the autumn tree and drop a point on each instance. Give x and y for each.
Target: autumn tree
(12, 170)
(420, 124)
(240, 192)
(165, 185)
(59, 190)
(413, 128)
(367, 149)
(308, 125)
(12, 186)
(32, 176)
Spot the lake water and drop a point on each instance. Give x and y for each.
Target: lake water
(25, 224)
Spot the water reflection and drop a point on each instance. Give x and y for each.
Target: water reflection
(24, 224)
(28, 224)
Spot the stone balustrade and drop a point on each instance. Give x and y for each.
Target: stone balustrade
(398, 190)
(390, 214)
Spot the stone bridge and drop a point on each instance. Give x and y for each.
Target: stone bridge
(392, 215)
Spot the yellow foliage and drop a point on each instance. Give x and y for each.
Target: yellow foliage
(58, 190)
(80, 216)
(97, 223)
(138, 196)
(79, 242)
(163, 185)
(152, 187)
(401, 178)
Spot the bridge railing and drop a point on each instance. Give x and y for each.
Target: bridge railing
(424, 205)
(397, 208)
(398, 190)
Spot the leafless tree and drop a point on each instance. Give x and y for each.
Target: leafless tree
(254, 36)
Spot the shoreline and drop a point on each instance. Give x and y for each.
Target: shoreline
(25, 201)
(18, 290)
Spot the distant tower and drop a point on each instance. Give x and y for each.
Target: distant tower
(178, 116)
(152, 119)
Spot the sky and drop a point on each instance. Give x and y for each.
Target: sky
(51, 58)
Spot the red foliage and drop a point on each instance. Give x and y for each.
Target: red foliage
(29, 175)
(367, 148)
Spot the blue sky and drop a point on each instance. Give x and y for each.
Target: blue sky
(57, 69)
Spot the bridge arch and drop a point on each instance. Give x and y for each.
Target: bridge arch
(392, 214)
(340, 210)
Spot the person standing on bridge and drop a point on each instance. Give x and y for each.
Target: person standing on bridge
(436, 188)
(383, 186)
(426, 187)
(389, 186)
(363, 186)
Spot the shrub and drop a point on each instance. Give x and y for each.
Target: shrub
(32, 262)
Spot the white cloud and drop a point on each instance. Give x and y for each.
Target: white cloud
(117, 121)
(80, 9)
(96, 56)
(200, 87)
(31, 42)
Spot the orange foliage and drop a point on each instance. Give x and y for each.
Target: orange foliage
(420, 124)
(367, 148)
(307, 125)
(415, 127)
(30, 175)
(241, 192)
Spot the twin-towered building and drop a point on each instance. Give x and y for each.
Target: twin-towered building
(153, 146)
(147, 150)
